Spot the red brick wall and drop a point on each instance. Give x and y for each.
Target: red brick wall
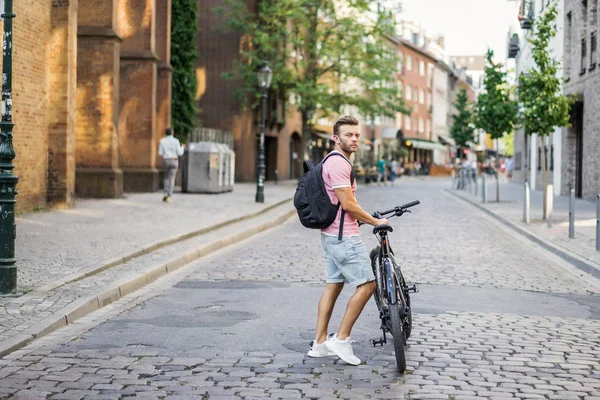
(30, 111)
(164, 79)
(62, 69)
(97, 102)
(417, 82)
(137, 116)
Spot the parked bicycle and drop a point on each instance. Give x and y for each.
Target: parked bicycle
(392, 295)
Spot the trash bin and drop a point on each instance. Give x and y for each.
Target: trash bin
(228, 165)
(204, 169)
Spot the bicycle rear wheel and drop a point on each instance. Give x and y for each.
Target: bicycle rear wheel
(397, 332)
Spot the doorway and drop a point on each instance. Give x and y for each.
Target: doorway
(271, 157)
(295, 161)
(578, 128)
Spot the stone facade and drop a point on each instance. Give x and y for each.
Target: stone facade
(581, 142)
(91, 90)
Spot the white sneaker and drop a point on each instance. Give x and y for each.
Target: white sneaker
(343, 349)
(319, 350)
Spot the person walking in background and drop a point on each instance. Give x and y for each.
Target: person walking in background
(170, 149)
(393, 171)
(381, 171)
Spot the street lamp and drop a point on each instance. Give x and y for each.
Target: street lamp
(8, 181)
(264, 76)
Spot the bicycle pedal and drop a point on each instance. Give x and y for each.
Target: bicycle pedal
(379, 342)
(412, 289)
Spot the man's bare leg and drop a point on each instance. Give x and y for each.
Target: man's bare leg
(355, 306)
(326, 304)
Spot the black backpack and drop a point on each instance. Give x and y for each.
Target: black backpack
(314, 207)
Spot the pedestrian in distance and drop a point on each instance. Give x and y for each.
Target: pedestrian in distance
(381, 164)
(393, 171)
(170, 149)
(346, 258)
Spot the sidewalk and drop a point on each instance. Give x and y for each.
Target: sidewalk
(580, 251)
(73, 261)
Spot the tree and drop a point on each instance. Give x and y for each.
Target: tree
(539, 90)
(462, 130)
(495, 111)
(330, 55)
(183, 61)
(509, 144)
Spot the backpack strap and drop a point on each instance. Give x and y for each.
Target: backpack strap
(352, 177)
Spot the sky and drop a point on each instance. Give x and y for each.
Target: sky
(470, 26)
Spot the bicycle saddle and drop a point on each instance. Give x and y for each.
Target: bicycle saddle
(382, 227)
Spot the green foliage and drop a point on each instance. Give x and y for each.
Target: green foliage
(509, 144)
(495, 111)
(327, 53)
(462, 128)
(539, 91)
(183, 61)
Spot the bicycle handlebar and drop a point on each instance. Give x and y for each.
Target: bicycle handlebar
(397, 211)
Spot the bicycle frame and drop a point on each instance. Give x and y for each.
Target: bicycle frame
(391, 272)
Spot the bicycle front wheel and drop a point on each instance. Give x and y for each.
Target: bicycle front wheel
(397, 332)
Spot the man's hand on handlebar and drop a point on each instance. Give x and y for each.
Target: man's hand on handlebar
(382, 221)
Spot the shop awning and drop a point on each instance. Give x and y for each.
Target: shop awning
(323, 135)
(389, 133)
(425, 144)
(446, 139)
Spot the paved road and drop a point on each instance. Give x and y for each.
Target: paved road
(495, 318)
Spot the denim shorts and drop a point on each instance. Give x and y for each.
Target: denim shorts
(346, 260)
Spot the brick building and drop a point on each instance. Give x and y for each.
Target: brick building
(92, 87)
(417, 80)
(581, 142)
(218, 49)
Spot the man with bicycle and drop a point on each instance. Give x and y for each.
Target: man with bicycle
(346, 260)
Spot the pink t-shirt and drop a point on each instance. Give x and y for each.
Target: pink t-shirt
(336, 174)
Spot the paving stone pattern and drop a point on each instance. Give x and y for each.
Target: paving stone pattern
(451, 355)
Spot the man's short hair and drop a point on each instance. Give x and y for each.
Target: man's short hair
(168, 131)
(345, 120)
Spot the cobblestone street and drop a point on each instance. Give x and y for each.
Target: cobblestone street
(497, 317)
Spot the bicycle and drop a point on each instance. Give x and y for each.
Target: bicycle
(392, 294)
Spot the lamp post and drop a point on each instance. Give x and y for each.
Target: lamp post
(8, 181)
(264, 75)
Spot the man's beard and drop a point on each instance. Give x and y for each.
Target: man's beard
(346, 147)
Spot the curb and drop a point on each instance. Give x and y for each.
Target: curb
(86, 305)
(115, 261)
(570, 258)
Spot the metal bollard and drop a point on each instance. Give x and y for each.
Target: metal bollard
(475, 181)
(527, 204)
(549, 204)
(598, 222)
(484, 188)
(452, 179)
(572, 214)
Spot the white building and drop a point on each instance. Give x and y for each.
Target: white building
(527, 150)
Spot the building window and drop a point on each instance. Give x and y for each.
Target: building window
(421, 126)
(422, 68)
(568, 45)
(421, 96)
(593, 45)
(427, 127)
(552, 158)
(594, 14)
(408, 92)
(409, 63)
(407, 123)
(583, 56)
